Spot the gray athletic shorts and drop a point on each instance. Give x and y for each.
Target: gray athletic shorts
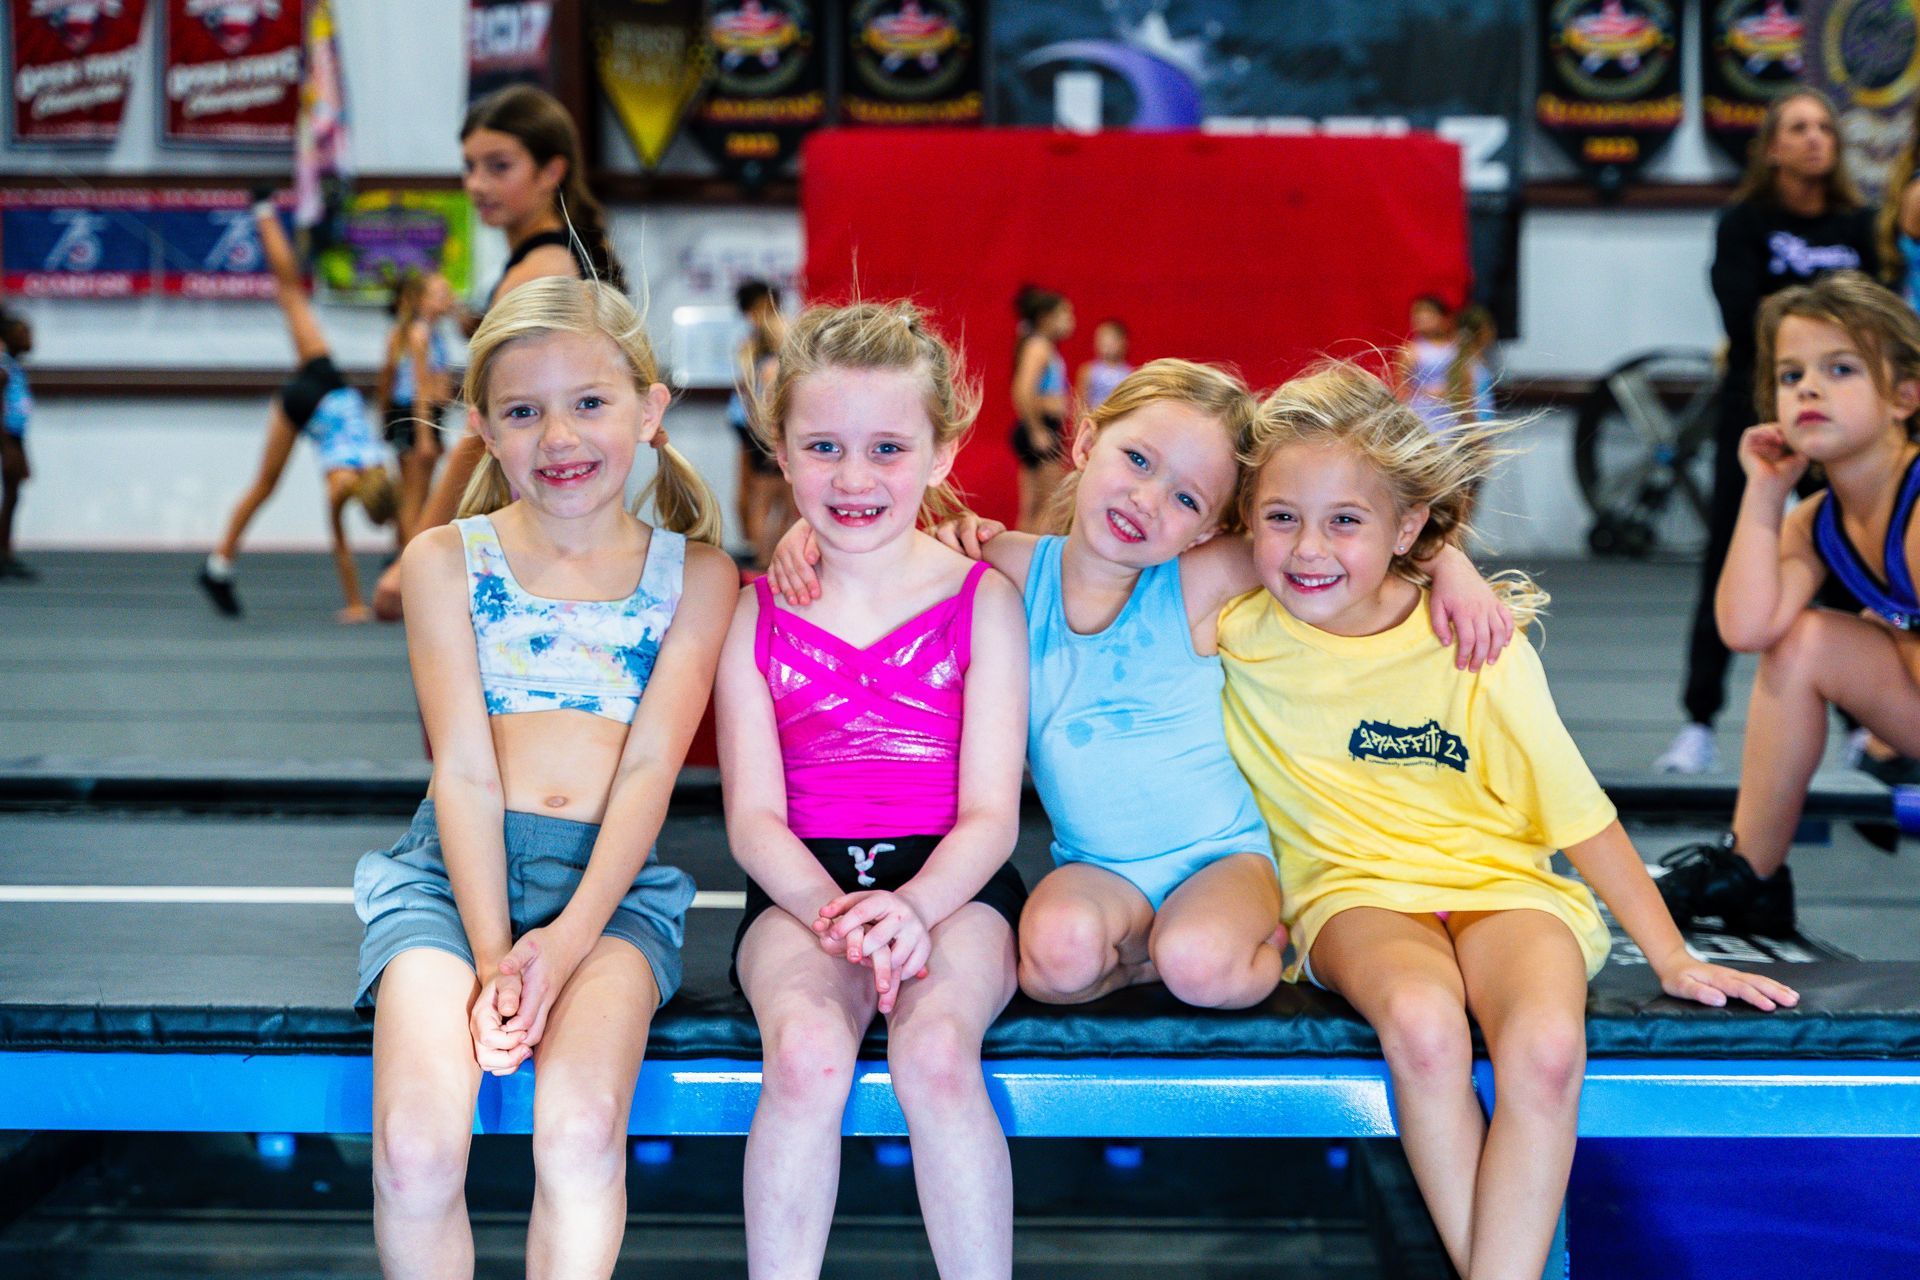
(405, 900)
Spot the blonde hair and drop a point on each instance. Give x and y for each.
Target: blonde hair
(374, 491)
(560, 304)
(1881, 326)
(1337, 402)
(1209, 389)
(888, 336)
(1761, 180)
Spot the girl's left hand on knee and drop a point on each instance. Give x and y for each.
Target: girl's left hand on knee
(1713, 984)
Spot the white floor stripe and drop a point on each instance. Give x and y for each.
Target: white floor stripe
(244, 895)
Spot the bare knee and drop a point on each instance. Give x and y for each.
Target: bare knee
(1542, 1063)
(935, 1064)
(1199, 966)
(1424, 1034)
(419, 1156)
(807, 1066)
(1802, 654)
(579, 1138)
(1064, 949)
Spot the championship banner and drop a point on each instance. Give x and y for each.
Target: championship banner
(913, 62)
(387, 234)
(1749, 56)
(508, 42)
(231, 72)
(1865, 56)
(119, 244)
(1609, 83)
(70, 63)
(766, 86)
(652, 60)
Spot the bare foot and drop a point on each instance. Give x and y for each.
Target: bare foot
(353, 615)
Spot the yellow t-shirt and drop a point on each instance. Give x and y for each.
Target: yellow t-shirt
(1390, 778)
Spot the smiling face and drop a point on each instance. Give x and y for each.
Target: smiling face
(563, 418)
(858, 447)
(1805, 143)
(502, 179)
(1827, 394)
(1326, 530)
(1153, 483)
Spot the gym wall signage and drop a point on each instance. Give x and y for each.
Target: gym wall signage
(70, 67)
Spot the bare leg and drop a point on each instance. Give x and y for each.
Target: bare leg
(960, 1161)
(296, 308)
(443, 501)
(339, 491)
(773, 503)
(14, 472)
(1400, 972)
(1214, 942)
(281, 436)
(812, 1009)
(586, 1066)
(424, 1084)
(1028, 520)
(1046, 479)
(1825, 658)
(416, 478)
(1083, 933)
(746, 504)
(1527, 987)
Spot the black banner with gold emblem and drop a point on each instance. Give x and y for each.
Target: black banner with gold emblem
(913, 62)
(766, 86)
(1609, 82)
(1751, 53)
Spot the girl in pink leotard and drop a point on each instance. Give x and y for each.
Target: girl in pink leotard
(871, 797)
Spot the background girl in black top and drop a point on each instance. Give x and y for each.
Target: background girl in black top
(1796, 215)
(525, 174)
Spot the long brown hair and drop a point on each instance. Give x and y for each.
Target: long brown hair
(1886, 224)
(1761, 180)
(536, 119)
(560, 304)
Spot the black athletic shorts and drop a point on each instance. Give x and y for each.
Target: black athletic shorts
(885, 862)
(1023, 446)
(301, 394)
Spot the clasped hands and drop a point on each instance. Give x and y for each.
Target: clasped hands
(509, 1015)
(879, 929)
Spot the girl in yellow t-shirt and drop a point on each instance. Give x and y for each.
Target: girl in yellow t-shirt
(1416, 806)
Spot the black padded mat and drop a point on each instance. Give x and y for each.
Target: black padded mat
(278, 979)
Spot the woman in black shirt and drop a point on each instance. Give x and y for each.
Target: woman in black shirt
(1795, 215)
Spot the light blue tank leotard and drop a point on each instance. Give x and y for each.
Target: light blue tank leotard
(1125, 738)
(341, 433)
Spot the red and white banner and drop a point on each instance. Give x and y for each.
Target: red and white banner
(231, 71)
(71, 63)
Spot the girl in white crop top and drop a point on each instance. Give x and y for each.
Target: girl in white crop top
(562, 651)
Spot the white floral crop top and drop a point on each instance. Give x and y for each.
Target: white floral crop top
(541, 654)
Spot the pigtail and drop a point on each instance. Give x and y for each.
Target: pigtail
(682, 500)
(487, 491)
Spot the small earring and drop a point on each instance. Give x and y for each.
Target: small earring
(1399, 551)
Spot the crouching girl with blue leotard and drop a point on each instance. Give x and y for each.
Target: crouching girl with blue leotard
(1163, 868)
(1416, 807)
(562, 651)
(1839, 382)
